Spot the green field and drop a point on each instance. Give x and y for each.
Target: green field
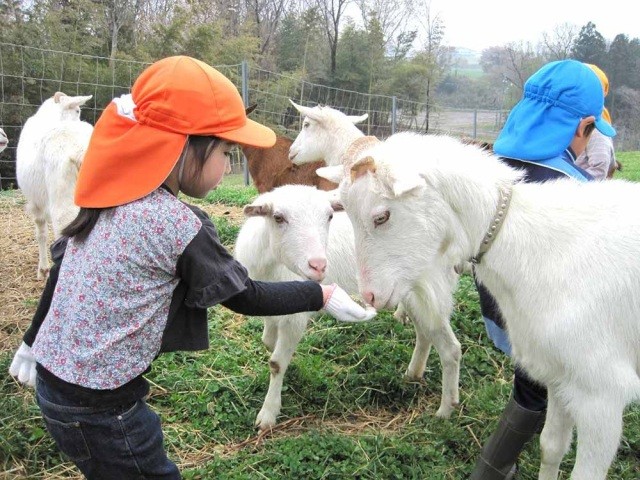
(630, 166)
(347, 412)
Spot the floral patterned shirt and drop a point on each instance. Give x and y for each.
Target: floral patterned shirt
(111, 301)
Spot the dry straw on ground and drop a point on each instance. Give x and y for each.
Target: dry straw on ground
(20, 289)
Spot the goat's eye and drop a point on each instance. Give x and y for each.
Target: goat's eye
(381, 218)
(279, 218)
(305, 124)
(330, 216)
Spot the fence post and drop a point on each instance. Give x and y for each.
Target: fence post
(245, 99)
(394, 107)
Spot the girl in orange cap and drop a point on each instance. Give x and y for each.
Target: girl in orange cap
(136, 270)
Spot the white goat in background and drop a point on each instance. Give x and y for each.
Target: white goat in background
(289, 235)
(50, 150)
(564, 251)
(326, 134)
(4, 141)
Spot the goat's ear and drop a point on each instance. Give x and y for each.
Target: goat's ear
(250, 109)
(358, 119)
(72, 102)
(362, 167)
(306, 111)
(406, 184)
(333, 174)
(58, 96)
(337, 205)
(258, 210)
(402, 182)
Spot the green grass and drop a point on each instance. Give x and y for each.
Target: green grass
(232, 191)
(630, 166)
(348, 412)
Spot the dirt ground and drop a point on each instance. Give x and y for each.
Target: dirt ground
(19, 287)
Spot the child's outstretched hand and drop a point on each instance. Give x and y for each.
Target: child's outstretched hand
(339, 304)
(23, 365)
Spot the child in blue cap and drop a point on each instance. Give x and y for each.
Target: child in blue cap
(545, 132)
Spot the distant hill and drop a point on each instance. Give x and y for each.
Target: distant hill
(467, 62)
(466, 56)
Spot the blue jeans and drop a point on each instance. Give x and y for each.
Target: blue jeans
(119, 443)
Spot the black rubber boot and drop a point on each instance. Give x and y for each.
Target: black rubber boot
(516, 427)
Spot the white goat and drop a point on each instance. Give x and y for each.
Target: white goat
(326, 135)
(4, 141)
(564, 251)
(49, 153)
(289, 236)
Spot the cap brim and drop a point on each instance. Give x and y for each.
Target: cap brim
(605, 127)
(252, 134)
(125, 161)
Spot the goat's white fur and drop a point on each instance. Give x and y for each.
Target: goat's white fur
(285, 251)
(564, 251)
(4, 141)
(50, 150)
(326, 135)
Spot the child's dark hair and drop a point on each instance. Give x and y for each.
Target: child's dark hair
(81, 226)
(588, 129)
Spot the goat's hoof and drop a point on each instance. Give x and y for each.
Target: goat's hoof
(43, 273)
(265, 421)
(414, 378)
(446, 410)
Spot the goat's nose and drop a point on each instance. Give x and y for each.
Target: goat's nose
(318, 264)
(368, 297)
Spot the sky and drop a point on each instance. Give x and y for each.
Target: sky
(478, 24)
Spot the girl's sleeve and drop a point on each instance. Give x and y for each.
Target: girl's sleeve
(210, 272)
(213, 276)
(276, 298)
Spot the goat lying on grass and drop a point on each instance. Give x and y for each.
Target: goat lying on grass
(289, 235)
(564, 251)
(49, 154)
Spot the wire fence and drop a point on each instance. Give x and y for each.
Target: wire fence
(28, 76)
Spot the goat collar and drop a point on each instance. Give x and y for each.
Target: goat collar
(496, 223)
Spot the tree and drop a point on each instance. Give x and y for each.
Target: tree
(119, 13)
(514, 63)
(590, 46)
(266, 15)
(557, 44)
(627, 116)
(299, 45)
(361, 60)
(332, 12)
(352, 63)
(402, 44)
(435, 56)
(392, 16)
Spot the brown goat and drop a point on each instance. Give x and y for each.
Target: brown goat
(271, 168)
